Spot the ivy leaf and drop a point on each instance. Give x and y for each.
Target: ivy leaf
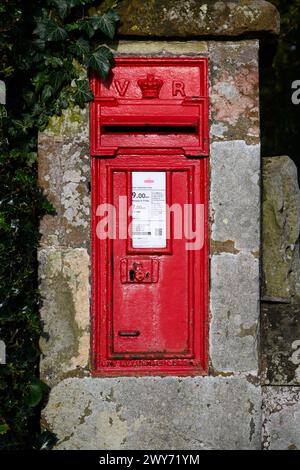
(47, 92)
(39, 44)
(80, 48)
(45, 441)
(58, 77)
(40, 80)
(19, 125)
(63, 99)
(55, 62)
(42, 122)
(35, 393)
(49, 30)
(83, 93)
(38, 57)
(63, 7)
(106, 23)
(31, 159)
(4, 428)
(73, 26)
(87, 26)
(100, 61)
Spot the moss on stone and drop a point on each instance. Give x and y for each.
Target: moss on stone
(280, 329)
(71, 121)
(63, 289)
(281, 226)
(166, 18)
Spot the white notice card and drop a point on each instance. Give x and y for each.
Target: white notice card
(149, 209)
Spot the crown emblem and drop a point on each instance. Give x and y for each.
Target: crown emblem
(150, 86)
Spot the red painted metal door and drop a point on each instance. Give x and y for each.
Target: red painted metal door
(150, 293)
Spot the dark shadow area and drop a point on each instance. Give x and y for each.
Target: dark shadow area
(149, 129)
(279, 70)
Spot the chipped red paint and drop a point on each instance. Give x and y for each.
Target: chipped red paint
(150, 304)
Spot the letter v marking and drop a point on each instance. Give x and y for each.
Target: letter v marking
(121, 87)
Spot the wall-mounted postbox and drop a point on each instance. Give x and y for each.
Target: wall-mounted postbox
(149, 142)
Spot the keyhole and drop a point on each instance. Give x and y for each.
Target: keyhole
(132, 274)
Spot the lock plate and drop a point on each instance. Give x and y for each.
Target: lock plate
(139, 270)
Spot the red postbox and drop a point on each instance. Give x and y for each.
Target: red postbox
(149, 147)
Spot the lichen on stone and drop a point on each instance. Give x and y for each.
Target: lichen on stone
(281, 229)
(166, 18)
(64, 286)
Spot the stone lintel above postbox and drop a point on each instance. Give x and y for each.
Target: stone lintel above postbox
(195, 18)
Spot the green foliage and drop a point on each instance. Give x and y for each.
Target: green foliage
(44, 47)
(280, 66)
(100, 60)
(44, 441)
(83, 92)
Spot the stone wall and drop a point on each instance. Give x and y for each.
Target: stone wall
(219, 411)
(281, 230)
(156, 413)
(280, 367)
(194, 18)
(64, 173)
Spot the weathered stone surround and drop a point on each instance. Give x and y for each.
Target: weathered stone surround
(221, 410)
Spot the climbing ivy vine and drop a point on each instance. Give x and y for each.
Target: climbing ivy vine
(44, 46)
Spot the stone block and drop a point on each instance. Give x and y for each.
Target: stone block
(234, 91)
(280, 344)
(155, 413)
(65, 314)
(281, 418)
(235, 195)
(234, 308)
(281, 229)
(190, 18)
(64, 174)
